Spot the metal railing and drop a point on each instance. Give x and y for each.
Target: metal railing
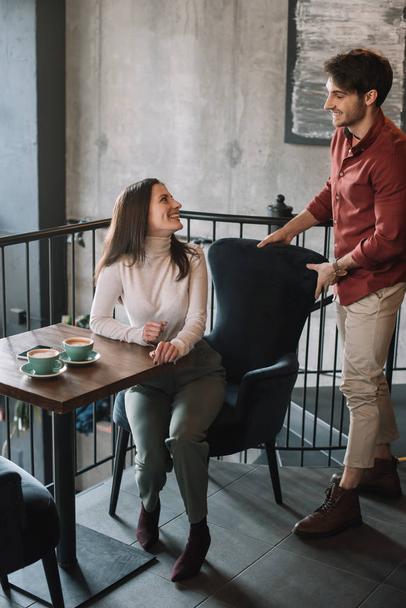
(37, 267)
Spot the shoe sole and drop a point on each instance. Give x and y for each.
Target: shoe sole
(354, 524)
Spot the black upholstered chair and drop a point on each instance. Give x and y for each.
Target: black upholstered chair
(29, 527)
(263, 299)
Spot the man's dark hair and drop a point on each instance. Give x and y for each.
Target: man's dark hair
(361, 70)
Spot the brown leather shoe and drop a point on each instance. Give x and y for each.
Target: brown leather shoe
(339, 511)
(382, 479)
(147, 529)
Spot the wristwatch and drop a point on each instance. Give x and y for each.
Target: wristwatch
(339, 272)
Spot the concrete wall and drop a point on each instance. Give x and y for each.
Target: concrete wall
(191, 91)
(19, 211)
(18, 126)
(32, 150)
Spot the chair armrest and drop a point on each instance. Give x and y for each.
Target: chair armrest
(12, 516)
(288, 364)
(264, 396)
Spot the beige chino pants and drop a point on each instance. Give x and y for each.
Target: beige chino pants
(366, 328)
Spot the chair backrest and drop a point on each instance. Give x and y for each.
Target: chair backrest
(263, 298)
(12, 517)
(29, 518)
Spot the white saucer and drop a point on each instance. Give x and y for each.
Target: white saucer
(92, 357)
(29, 371)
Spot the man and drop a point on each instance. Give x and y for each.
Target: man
(365, 197)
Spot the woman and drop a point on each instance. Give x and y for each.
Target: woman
(162, 284)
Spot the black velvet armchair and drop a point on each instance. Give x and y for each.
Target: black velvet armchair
(263, 297)
(29, 527)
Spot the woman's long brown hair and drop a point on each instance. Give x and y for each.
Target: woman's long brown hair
(128, 229)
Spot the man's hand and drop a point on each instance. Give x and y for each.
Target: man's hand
(326, 276)
(279, 236)
(152, 330)
(165, 352)
(295, 226)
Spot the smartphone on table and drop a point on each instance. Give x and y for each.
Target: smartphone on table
(23, 355)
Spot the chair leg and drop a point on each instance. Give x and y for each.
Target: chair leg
(5, 585)
(274, 471)
(54, 582)
(119, 461)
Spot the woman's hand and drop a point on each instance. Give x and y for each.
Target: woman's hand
(152, 330)
(165, 352)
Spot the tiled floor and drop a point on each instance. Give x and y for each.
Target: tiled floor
(254, 560)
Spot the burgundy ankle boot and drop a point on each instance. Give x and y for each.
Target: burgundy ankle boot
(190, 561)
(147, 529)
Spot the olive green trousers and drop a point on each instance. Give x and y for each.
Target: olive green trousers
(169, 417)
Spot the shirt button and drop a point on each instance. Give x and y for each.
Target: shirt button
(334, 221)
(337, 197)
(341, 173)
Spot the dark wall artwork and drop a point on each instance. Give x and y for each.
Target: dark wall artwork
(319, 29)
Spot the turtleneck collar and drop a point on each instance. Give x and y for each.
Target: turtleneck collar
(157, 245)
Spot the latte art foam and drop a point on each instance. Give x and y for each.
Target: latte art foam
(44, 353)
(78, 342)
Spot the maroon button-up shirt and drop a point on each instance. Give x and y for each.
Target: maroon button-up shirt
(366, 198)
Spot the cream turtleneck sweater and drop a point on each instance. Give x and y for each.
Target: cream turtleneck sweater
(150, 292)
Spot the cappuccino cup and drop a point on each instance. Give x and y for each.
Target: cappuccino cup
(78, 348)
(43, 360)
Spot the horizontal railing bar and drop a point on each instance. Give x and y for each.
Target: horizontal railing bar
(15, 239)
(310, 448)
(245, 219)
(90, 467)
(36, 235)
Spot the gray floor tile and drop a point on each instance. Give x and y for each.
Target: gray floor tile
(229, 554)
(92, 511)
(221, 473)
(384, 509)
(150, 591)
(16, 600)
(387, 597)
(398, 578)
(147, 591)
(387, 509)
(248, 504)
(372, 550)
(278, 580)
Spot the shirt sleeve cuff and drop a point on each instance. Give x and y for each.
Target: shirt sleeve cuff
(361, 259)
(181, 346)
(135, 335)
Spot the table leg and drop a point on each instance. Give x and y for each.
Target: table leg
(64, 484)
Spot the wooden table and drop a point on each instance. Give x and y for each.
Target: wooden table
(121, 365)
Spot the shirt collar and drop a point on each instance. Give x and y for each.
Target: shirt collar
(370, 136)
